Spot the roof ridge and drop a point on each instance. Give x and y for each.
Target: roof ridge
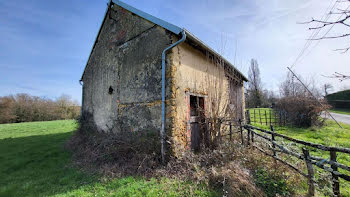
(171, 27)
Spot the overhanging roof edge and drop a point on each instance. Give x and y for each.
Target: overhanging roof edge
(170, 27)
(173, 28)
(193, 37)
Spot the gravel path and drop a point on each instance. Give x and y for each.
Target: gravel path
(341, 118)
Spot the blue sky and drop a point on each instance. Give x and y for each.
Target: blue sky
(44, 45)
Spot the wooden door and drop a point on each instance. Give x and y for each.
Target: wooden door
(196, 121)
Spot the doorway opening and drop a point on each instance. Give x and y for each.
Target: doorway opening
(197, 121)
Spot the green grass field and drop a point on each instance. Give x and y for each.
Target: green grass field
(266, 116)
(33, 162)
(341, 111)
(330, 135)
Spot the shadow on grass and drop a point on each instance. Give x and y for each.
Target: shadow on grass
(38, 166)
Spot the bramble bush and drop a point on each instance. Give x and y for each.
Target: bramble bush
(302, 111)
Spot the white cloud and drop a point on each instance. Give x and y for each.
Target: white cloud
(268, 31)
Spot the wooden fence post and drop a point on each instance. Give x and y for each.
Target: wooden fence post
(230, 130)
(248, 137)
(310, 172)
(254, 117)
(270, 117)
(260, 117)
(273, 140)
(336, 190)
(252, 136)
(241, 130)
(248, 117)
(265, 118)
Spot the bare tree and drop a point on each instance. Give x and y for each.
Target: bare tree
(254, 90)
(341, 19)
(339, 76)
(291, 87)
(27, 108)
(326, 88)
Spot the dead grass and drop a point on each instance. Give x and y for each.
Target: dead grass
(230, 167)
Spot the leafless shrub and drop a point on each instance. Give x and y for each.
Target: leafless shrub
(27, 108)
(302, 107)
(126, 153)
(302, 111)
(7, 113)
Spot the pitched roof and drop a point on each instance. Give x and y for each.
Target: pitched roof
(175, 29)
(172, 28)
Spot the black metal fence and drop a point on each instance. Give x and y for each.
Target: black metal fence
(266, 116)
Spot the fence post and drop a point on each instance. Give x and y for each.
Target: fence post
(254, 117)
(252, 136)
(230, 130)
(248, 137)
(310, 172)
(265, 118)
(241, 130)
(248, 117)
(270, 116)
(260, 117)
(273, 140)
(336, 190)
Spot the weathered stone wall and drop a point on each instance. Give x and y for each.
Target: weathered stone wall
(127, 59)
(196, 73)
(122, 80)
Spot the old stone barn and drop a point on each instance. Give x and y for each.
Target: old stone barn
(146, 75)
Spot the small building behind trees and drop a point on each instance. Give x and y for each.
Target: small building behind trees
(122, 81)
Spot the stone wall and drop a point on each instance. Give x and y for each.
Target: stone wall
(197, 73)
(122, 80)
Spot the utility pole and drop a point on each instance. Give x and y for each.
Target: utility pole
(314, 97)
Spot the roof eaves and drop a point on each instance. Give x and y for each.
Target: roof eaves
(93, 46)
(170, 27)
(202, 44)
(173, 28)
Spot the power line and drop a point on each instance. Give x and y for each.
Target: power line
(313, 96)
(315, 32)
(308, 44)
(319, 40)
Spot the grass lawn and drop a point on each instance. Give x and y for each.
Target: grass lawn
(341, 111)
(330, 135)
(266, 116)
(33, 162)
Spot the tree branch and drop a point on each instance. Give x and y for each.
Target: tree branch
(342, 19)
(344, 50)
(331, 37)
(339, 76)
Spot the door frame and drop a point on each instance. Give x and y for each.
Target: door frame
(188, 114)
